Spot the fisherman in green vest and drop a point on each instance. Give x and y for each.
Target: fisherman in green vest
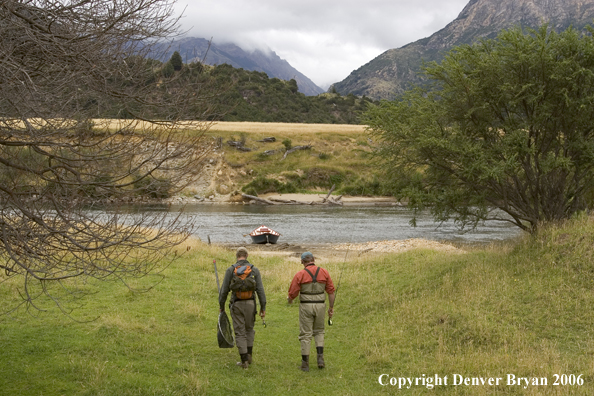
(311, 285)
(243, 280)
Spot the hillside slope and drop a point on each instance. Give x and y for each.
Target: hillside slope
(339, 155)
(397, 69)
(192, 48)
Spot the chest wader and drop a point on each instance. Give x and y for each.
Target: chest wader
(312, 293)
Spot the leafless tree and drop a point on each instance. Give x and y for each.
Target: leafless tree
(63, 63)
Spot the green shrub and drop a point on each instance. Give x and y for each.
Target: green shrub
(168, 70)
(155, 188)
(366, 187)
(288, 144)
(250, 190)
(263, 185)
(323, 177)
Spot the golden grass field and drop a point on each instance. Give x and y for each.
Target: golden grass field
(244, 127)
(277, 127)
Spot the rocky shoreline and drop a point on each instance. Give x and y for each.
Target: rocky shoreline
(332, 252)
(397, 246)
(285, 199)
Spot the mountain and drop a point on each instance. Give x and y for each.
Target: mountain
(397, 69)
(192, 48)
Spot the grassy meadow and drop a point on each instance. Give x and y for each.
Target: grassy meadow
(524, 308)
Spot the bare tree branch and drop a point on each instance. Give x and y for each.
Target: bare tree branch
(63, 65)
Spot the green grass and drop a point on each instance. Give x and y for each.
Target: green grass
(522, 309)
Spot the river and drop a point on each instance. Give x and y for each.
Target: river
(305, 224)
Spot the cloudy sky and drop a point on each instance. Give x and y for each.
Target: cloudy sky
(324, 39)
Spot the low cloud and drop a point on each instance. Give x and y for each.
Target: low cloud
(326, 40)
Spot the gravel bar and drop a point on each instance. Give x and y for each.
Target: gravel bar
(397, 246)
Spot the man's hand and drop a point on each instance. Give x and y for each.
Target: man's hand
(330, 312)
(262, 314)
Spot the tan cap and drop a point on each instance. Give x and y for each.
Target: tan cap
(241, 252)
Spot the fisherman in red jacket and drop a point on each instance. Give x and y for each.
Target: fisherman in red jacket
(311, 284)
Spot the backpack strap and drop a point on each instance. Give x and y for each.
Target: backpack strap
(239, 265)
(313, 290)
(314, 278)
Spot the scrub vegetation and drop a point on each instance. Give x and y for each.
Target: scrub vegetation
(522, 308)
(340, 155)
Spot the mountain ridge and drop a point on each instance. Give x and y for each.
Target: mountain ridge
(396, 70)
(211, 53)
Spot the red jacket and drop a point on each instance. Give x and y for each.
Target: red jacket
(303, 277)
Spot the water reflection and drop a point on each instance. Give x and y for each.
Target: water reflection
(304, 224)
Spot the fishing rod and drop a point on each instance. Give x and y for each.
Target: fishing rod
(214, 262)
(263, 321)
(330, 323)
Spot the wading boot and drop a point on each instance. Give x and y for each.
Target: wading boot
(244, 361)
(304, 362)
(249, 356)
(320, 351)
(243, 365)
(321, 364)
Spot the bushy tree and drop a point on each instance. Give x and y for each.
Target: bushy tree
(293, 85)
(168, 70)
(504, 130)
(62, 63)
(176, 61)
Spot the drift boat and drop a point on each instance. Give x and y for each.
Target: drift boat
(264, 234)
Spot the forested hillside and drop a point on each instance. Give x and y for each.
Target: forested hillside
(208, 52)
(253, 96)
(240, 95)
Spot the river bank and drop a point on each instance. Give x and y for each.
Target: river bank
(303, 199)
(337, 252)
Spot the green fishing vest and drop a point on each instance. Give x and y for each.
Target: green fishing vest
(313, 292)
